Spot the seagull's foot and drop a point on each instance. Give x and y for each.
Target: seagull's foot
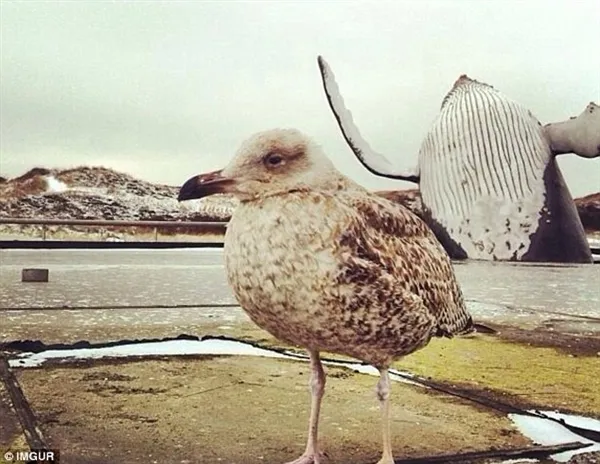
(309, 458)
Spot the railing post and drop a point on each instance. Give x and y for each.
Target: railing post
(44, 232)
(156, 234)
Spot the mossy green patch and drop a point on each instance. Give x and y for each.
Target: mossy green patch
(540, 376)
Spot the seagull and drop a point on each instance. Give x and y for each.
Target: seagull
(320, 262)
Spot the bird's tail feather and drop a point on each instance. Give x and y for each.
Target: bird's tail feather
(470, 327)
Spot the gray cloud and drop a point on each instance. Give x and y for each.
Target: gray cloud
(167, 89)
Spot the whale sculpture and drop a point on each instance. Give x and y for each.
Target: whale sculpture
(579, 135)
(490, 185)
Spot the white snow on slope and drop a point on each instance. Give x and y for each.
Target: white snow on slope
(55, 185)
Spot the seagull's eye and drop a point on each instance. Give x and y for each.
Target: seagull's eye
(273, 159)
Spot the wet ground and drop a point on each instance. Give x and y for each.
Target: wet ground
(245, 409)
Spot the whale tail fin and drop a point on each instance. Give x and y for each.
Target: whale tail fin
(375, 162)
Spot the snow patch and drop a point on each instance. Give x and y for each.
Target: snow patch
(166, 348)
(55, 185)
(185, 347)
(546, 432)
(519, 461)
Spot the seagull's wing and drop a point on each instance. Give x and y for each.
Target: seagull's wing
(386, 242)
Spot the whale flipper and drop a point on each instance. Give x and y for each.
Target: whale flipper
(375, 162)
(579, 135)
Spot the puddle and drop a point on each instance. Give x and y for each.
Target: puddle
(541, 430)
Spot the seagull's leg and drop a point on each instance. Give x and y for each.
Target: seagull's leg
(312, 455)
(383, 395)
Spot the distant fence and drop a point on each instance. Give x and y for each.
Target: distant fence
(177, 226)
(115, 223)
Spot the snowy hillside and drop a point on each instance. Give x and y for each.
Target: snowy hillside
(101, 193)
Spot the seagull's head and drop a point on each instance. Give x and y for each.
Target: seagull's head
(268, 163)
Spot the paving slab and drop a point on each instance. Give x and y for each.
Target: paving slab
(241, 409)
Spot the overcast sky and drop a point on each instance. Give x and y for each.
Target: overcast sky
(164, 90)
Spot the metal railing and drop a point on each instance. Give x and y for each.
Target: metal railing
(108, 223)
(219, 226)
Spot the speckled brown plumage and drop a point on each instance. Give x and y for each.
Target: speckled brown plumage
(321, 263)
(343, 271)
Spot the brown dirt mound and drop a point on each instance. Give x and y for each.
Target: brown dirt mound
(589, 211)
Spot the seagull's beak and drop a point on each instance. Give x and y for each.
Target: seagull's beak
(204, 185)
